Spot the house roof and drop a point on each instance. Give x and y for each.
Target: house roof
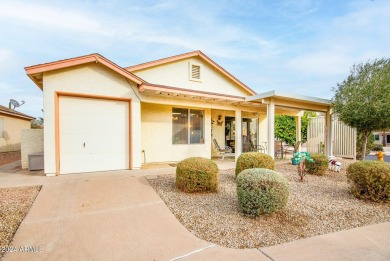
(35, 72)
(180, 92)
(278, 94)
(197, 53)
(12, 113)
(292, 100)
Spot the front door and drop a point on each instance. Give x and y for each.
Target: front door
(249, 132)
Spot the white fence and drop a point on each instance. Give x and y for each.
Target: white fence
(316, 135)
(344, 137)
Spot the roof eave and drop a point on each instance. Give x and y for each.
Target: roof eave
(57, 65)
(13, 115)
(174, 58)
(157, 88)
(39, 84)
(290, 96)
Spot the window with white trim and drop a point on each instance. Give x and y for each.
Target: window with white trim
(195, 72)
(376, 136)
(187, 126)
(1, 127)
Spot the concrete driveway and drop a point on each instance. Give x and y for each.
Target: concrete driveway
(118, 216)
(109, 216)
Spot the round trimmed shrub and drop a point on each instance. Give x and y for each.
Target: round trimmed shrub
(252, 160)
(370, 180)
(197, 175)
(319, 166)
(261, 191)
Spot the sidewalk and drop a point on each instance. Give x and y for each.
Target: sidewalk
(364, 243)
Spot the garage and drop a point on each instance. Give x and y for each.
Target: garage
(93, 134)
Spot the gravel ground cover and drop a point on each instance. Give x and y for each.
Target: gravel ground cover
(7, 157)
(319, 205)
(14, 205)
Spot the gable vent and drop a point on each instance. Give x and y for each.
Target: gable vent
(195, 71)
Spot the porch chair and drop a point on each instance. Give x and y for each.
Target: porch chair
(256, 148)
(280, 149)
(295, 149)
(225, 152)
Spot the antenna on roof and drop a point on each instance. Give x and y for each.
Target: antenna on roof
(15, 103)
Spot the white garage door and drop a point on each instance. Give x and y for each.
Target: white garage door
(94, 135)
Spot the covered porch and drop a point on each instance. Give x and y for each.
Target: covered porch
(250, 133)
(217, 122)
(258, 128)
(274, 100)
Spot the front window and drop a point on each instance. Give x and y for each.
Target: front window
(376, 136)
(187, 130)
(196, 126)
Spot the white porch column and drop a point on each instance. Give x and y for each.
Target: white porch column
(298, 132)
(328, 133)
(271, 127)
(238, 136)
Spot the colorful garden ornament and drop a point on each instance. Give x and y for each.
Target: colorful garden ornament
(301, 158)
(334, 165)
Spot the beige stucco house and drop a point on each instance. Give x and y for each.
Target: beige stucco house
(382, 137)
(11, 124)
(100, 116)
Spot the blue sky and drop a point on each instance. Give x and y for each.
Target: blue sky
(301, 46)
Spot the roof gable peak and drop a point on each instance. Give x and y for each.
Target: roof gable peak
(197, 53)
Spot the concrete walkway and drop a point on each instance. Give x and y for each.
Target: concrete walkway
(11, 175)
(118, 216)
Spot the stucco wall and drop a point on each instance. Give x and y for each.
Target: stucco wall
(176, 74)
(156, 139)
(10, 140)
(32, 142)
(87, 79)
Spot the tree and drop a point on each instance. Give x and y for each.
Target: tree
(37, 123)
(362, 100)
(285, 127)
(359, 143)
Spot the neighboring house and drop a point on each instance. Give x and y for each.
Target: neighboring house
(100, 116)
(382, 137)
(11, 124)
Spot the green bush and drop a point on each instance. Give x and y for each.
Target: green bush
(377, 147)
(252, 160)
(319, 166)
(370, 180)
(197, 175)
(261, 191)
